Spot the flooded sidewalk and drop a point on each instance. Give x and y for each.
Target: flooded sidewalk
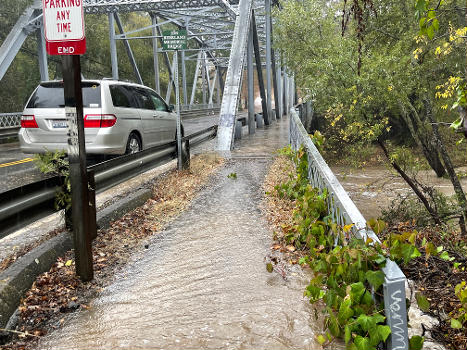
(202, 282)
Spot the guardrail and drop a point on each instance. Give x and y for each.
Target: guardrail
(195, 107)
(344, 212)
(26, 204)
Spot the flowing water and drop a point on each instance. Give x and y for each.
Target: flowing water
(374, 188)
(202, 283)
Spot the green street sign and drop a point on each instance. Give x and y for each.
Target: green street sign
(174, 40)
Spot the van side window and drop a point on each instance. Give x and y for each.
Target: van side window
(158, 102)
(144, 101)
(121, 96)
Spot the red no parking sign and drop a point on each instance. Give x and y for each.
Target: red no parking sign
(64, 27)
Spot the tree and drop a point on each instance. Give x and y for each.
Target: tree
(368, 78)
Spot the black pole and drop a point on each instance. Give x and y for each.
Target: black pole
(259, 70)
(71, 70)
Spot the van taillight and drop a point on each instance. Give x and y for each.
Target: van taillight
(99, 120)
(28, 121)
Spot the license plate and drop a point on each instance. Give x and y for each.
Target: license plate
(59, 124)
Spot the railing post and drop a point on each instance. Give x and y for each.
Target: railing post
(395, 307)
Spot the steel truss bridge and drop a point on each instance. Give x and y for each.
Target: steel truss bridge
(225, 36)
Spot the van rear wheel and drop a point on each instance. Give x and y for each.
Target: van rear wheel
(133, 144)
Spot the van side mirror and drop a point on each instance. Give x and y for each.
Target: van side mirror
(171, 108)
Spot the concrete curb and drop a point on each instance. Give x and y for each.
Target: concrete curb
(19, 277)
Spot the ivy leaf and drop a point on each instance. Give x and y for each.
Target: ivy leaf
(376, 225)
(334, 325)
(321, 339)
(365, 322)
(367, 299)
(348, 334)
(409, 252)
(384, 332)
(422, 302)
(375, 278)
(415, 253)
(416, 342)
(380, 259)
(356, 292)
(378, 318)
(445, 256)
(363, 343)
(345, 311)
(455, 324)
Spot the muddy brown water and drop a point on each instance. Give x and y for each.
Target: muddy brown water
(202, 283)
(374, 188)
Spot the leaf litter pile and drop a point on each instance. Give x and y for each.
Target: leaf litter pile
(278, 213)
(436, 278)
(59, 291)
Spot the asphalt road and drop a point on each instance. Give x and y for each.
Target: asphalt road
(18, 169)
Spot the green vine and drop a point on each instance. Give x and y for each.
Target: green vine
(348, 274)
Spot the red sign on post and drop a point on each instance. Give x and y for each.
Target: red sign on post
(64, 27)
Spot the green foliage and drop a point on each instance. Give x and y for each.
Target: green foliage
(460, 318)
(393, 92)
(298, 183)
(232, 176)
(348, 274)
(416, 343)
(422, 302)
(318, 140)
(56, 163)
(409, 208)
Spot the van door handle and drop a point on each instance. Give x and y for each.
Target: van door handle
(155, 116)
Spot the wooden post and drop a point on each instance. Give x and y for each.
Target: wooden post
(71, 70)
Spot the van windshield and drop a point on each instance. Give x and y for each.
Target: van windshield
(50, 95)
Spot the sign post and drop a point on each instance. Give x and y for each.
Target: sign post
(64, 34)
(174, 40)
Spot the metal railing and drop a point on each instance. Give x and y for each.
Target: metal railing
(344, 212)
(10, 120)
(26, 204)
(200, 106)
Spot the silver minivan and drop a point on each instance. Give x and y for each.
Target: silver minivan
(119, 118)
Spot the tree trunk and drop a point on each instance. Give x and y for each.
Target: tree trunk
(449, 167)
(420, 133)
(412, 185)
